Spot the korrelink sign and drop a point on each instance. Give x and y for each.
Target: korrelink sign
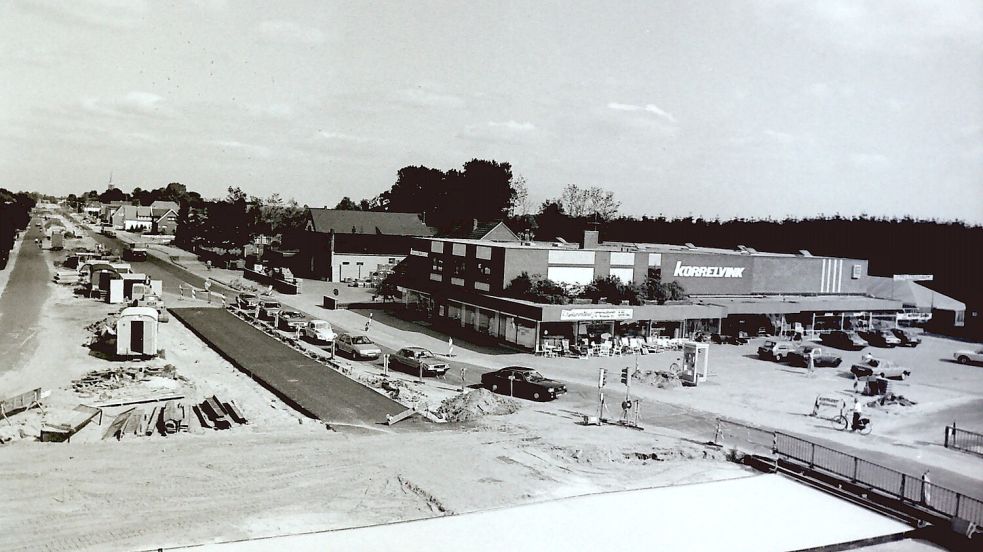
(708, 271)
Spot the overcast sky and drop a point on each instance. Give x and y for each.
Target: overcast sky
(755, 108)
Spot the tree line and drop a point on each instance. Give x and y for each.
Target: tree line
(15, 215)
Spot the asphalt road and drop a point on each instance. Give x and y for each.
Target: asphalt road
(309, 386)
(21, 302)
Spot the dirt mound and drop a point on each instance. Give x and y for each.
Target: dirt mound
(891, 399)
(658, 378)
(475, 404)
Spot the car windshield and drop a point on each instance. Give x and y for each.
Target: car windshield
(361, 340)
(271, 304)
(424, 354)
(319, 324)
(534, 376)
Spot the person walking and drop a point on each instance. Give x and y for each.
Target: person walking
(368, 322)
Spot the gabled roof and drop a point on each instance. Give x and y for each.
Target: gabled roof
(133, 211)
(160, 213)
(495, 230)
(159, 204)
(367, 222)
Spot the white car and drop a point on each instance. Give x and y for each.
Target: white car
(317, 331)
(965, 356)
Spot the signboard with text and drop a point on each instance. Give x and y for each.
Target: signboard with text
(596, 314)
(914, 277)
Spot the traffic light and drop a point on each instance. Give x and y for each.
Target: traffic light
(624, 376)
(602, 378)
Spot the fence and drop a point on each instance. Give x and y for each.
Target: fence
(729, 432)
(964, 440)
(899, 485)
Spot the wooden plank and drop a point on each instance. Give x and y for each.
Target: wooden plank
(390, 420)
(117, 424)
(152, 420)
(133, 423)
(127, 402)
(202, 418)
(235, 413)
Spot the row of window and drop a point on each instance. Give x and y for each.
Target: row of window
(458, 267)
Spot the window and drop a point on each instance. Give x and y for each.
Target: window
(438, 264)
(458, 268)
(484, 268)
(392, 260)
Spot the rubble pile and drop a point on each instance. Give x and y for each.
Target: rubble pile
(475, 404)
(658, 378)
(889, 399)
(103, 327)
(100, 381)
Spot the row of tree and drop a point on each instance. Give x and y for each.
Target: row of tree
(15, 215)
(235, 220)
(609, 289)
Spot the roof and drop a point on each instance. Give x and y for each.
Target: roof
(165, 205)
(368, 222)
(134, 211)
(138, 311)
(776, 304)
(912, 294)
(161, 212)
(494, 230)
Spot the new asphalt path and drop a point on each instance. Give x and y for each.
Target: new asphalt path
(308, 386)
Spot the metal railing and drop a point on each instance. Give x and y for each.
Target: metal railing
(729, 432)
(907, 488)
(964, 440)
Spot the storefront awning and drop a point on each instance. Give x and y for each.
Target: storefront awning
(791, 304)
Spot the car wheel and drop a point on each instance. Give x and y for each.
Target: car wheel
(494, 387)
(778, 358)
(535, 395)
(963, 359)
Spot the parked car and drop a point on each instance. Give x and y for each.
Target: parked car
(135, 255)
(880, 338)
(879, 367)
(775, 350)
(965, 356)
(317, 331)
(800, 357)
(524, 382)
(413, 359)
(843, 340)
(268, 308)
(907, 338)
(247, 301)
(740, 339)
(357, 346)
(290, 320)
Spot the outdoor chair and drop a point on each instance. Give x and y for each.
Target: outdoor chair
(604, 349)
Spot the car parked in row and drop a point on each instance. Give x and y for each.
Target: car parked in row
(318, 331)
(879, 367)
(417, 360)
(290, 320)
(820, 358)
(357, 346)
(775, 350)
(247, 301)
(880, 338)
(740, 339)
(524, 382)
(268, 308)
(906, 337)
(843, 340)
(965, 356)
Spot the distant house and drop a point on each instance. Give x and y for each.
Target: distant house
(338, 245)
(92, 208)
(165, 219)
(107, 210)
(172, 205)
(495, 230)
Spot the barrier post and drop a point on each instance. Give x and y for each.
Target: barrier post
(856, 466)
(812, 455)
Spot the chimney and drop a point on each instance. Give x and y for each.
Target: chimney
(474, 224)
(591, 239)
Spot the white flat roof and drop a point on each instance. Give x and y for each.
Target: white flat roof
(754, 513)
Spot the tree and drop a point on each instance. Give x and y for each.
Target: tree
(537, 289)
(660, 292)
(114, 194)
(520, 204)
(346, 204)
(588, 202)
(611, 289)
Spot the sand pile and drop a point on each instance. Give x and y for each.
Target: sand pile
(475, 404)
(658, 378)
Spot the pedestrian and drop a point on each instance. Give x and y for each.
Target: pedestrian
(450, 346)
(926, 489)
(368, 322)
(812, 362)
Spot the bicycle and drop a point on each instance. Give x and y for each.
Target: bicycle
(842, 423)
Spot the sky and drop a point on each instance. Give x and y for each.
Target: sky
(754, 108)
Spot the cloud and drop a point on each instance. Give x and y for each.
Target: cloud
(648, 108)
(249, 150)
(778, 136)
(117, 14)
(509, 132)
(513, 125)
(290, 32)
(427, 97)
(143, 104)
(272, 111)
(341, 137)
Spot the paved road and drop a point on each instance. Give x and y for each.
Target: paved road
(20, 305)
(307, 385)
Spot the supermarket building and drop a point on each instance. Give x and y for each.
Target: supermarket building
(461, 282)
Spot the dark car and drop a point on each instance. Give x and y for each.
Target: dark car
(880, 338)
(800, 357)
(247, 301)
(268, 309)
(290, 320)
(907, 338)
(137, 255)
(844, 340)
(739, 339)
(522, 382)
(879, 367)
(417, 360)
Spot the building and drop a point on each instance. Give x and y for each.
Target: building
(165, 219)
(339, 245)
(461, 281)
(136, 218)
(921, 305)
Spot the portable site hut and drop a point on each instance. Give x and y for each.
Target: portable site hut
(129, 280)
(100, 274)
(136, 332)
